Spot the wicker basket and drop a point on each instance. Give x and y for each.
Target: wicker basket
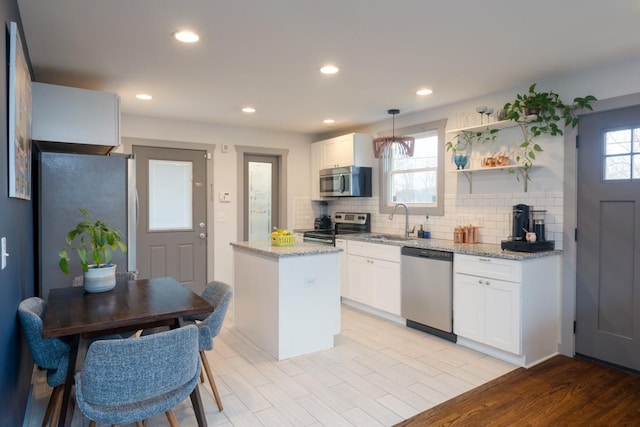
(287, 240)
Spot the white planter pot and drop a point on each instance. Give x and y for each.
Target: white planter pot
(100, 279)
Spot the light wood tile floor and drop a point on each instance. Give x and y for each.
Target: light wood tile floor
(379, 373)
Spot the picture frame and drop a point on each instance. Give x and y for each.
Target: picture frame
(19, 125)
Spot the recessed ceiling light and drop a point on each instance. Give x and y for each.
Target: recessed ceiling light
(144, 96)
(248, 110)
(329, 69)
(424, 92)
(328, 121)
(186, 36)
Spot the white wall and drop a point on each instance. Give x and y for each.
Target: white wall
(225, 174)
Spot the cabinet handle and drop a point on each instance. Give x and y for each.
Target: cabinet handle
(484, 259)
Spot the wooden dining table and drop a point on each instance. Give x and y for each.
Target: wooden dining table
(138, 304)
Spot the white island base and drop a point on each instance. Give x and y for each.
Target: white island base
(287, 305)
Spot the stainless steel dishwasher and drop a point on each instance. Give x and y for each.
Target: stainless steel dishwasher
(427, 291)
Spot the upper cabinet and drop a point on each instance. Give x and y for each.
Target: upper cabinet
(354, 149)
(77, 116)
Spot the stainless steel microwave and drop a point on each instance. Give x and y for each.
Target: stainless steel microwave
(352, 181)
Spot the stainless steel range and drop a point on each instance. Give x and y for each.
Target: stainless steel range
(344, 223)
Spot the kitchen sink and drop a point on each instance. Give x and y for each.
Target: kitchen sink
(389, 238)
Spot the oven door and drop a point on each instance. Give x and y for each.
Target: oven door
(319, 238)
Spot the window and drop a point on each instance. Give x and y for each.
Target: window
(416, 181)
(622, 154)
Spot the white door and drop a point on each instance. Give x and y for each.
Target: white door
(172, 232)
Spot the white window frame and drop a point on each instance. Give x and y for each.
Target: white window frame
(437, 209)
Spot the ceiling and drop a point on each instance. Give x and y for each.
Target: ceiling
(267, 54)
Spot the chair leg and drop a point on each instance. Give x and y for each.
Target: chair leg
(140, 423)
(57, 408)
(201, 376)
(205, 364)
(51, 406)
(173, 422)
(92, 423)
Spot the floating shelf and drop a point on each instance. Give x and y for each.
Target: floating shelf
(468, 173)
(502, 124)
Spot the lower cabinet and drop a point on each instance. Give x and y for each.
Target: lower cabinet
(506, 308)
(373, 275)
(488, 311)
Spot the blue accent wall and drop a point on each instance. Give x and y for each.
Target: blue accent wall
(17, 280)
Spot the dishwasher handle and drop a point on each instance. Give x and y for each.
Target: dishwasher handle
(427, 253)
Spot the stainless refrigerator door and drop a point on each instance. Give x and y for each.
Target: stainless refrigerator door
(66, 183)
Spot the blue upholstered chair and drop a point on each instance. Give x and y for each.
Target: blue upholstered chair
(218, 294)
(128, 380)
(51, 354)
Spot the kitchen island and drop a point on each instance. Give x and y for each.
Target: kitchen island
(287, 298)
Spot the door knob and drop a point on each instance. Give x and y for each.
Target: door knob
(203, 235)
(201, 225)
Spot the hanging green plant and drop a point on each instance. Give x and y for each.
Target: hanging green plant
(463, 140)
(538, 113)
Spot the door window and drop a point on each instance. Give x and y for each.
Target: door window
(170, 195)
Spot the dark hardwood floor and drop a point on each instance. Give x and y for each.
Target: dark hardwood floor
(558, 392)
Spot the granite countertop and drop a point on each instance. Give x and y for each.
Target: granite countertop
(478, 249)
(298, 249)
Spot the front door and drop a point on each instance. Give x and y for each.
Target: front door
(608, 266)
(172, 232)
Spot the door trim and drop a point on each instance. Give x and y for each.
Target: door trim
(570, 214)
(129, 142)
(282, 155)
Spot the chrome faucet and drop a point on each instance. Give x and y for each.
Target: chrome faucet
(406, 218)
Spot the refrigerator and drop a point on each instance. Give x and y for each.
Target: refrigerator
(65, 182)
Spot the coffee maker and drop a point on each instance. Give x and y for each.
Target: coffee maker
(520, 221)
(524, 219)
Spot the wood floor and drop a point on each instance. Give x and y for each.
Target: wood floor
(559, 392)
(378, 374)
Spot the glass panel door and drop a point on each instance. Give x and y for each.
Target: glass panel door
(259, 200)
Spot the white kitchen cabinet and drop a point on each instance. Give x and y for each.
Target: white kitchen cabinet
(71, 115)
(508, 309)
(344, 289)
(488, 311)
(354, 149)
(373, 275)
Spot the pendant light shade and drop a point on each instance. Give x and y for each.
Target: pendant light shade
(396, 146)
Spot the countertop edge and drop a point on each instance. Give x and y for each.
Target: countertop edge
(297, 249)
(477, 249)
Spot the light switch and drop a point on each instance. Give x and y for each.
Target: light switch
(3, 253)
(224, 196)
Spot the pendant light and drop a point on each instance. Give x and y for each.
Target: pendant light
(393, 146)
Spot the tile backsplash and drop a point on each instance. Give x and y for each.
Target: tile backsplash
(490, 212)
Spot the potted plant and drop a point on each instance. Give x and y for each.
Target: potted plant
(539, 113)
(462, 141)
(95, 240)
